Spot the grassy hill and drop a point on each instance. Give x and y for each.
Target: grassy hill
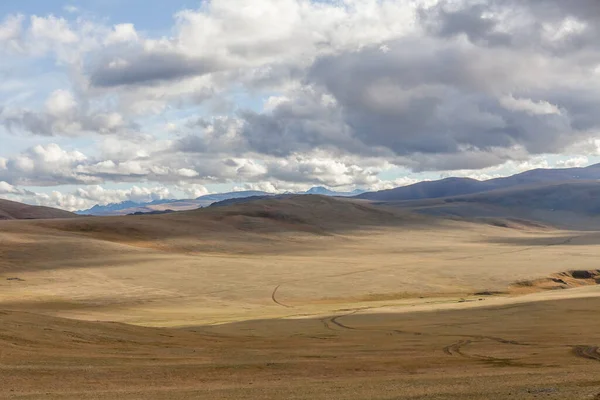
(14, 210)
(573, 204)
(280, 297)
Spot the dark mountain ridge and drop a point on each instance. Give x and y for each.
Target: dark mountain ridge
(462, 186)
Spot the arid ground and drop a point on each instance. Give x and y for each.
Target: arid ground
(304, 298)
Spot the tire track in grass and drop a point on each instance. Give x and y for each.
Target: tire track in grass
(274, 297)
(589, 352)
(566, 241)
(457, 348)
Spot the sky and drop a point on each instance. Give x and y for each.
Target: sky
(103, 101)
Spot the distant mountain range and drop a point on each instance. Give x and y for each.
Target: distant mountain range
(569, 205)
(115, 207)
(461, 186)
(130, 207)
(453, 190)
(326, 192)
(566, 198)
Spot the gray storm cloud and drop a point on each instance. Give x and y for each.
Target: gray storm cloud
(302, 92)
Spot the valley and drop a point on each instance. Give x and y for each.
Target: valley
(258, 299)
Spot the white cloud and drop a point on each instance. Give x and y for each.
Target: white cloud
(581, 161)
(286, 94)
(187, 173)
(52, 30)
(61, 103)
(7, 188)
(273, 187)
(528, 106)
(63, 115)
(71, 9)
(99, 195)
(11, 31)
(86, 197)
(43, 165)
(192, 191)
(122, 33)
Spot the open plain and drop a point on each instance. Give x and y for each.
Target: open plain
(300, 298)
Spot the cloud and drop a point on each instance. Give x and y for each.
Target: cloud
(51, 165)
(307, 121)
(71, 9)
(243, 37)
(7, 188)
(149, 67)
(438, 101)
(88, 196)
(122, 33)
(554, 26)
(43, 166)
(291, 93)
(573, 162)
(11, 31)
(52, 29)
(529, 106)
(323, 170)
(99, 195)
(445, 98)
(192, 191)
(63, 115)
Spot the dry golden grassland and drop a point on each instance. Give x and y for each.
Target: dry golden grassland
(304, 298)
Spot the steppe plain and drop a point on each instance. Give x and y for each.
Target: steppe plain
(300, 298)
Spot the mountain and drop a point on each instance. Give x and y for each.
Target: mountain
(430, 189)
(423, 190)
(130, 207)
(98, 210)
(231, 195)
(542, 175)
(323, 191)
(569, 205)
(13, 210)
(462, 186)
(119, 208)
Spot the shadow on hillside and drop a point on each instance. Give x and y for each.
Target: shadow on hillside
(576, 239)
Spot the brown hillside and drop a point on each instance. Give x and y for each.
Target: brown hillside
(307, 214)
(13, 210)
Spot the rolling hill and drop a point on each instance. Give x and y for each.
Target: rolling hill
(462, 186)
(430, 189)
(13, 210)
(310, 214)
(303, 251)
(377, 299)
(571, 204)
(130, 207)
